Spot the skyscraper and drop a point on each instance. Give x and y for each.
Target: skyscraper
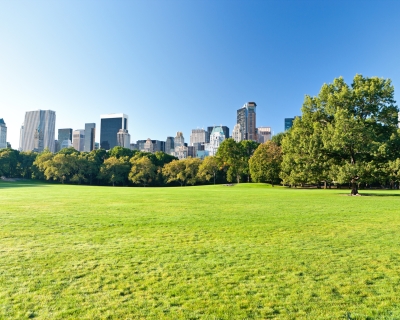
(169, 145)
(109, 127)
(90, 136)
(39, 130)
(64, 138)
(78, 139)
(3, 134)
(246, 117)
(21, 137)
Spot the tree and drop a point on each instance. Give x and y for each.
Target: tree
(8, 162)
(118, 152)
(265, 164)
(60, 167)
(248, 147)
(208, 169)
(344, 133)
(183, 171)
(115, 170)
(143, 171)
(25, 163)
(174, 172)
(231, 156)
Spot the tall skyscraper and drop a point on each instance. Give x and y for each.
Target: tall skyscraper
(64, 138)
(39, 130)
(3, 134)
(199, 136)
(109, 127)
(21, 137)
(246, 117)
(169, 145)
(90, 136)
(78, 139)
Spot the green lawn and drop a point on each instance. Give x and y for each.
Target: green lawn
(208, 252)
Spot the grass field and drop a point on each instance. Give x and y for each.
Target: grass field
(209, 252)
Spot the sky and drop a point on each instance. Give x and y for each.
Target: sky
(178, 65)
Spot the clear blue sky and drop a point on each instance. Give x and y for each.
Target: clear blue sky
(178, 65)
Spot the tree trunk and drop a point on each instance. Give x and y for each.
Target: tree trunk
(354, 187)
(324, 184)
(214, 178)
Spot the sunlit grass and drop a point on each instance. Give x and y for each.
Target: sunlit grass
(209, 252)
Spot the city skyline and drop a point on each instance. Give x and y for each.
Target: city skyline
(190, 68)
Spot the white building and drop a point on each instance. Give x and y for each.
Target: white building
(78, 139)
(237, 133)
(21, 137)
(181, 152)
(39, 131)
(216, 137)
(179, 140)
(263, 134)
(3, 134)
(124, 138)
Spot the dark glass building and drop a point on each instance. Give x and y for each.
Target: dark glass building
(110, 124)
(90, 135)
(288, 123)
(63, 135)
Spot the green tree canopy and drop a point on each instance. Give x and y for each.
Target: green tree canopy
(344, 133)
(265, 164)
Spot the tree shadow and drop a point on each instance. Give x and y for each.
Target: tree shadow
(375, 194)
(20, 184)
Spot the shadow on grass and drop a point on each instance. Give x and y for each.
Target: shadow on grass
(375, 194)
(21, 184)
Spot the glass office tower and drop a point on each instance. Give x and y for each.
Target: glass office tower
(110, 124)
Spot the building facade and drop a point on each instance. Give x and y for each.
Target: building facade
(78, 139)
(179, 140)
(288, 123)
(246, 117)
(169, 145)
(264, 134)
(39, 131)
(90, 136)
(110, 124)
(237, 133)
(216, 137)
(199, 136)
(123, 138)
(64, 138)
(3, 134)
(225, 129)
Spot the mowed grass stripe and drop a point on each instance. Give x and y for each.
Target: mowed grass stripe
(208, 252)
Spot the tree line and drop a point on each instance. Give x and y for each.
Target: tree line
(121, 166)
(346, 135)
